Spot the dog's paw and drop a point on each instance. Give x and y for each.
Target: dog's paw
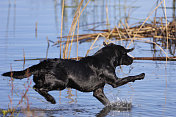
(53, 102)
(49, 98)
(140, 76)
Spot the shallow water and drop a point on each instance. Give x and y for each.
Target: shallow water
(153, 96)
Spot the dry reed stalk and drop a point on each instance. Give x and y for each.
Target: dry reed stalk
(70, 95)
(69, 37)
(12, 89)
(135, 58)
(71, 29)
(77, 20)
(124, 32)
(110, 33)
(59, 97)
(118, 32)
(126, 29)
(36, 24)
(63, 2)
(166, 27)
(47, 47)
(24, 95)
(74, 28)
(107, 18)
(146, 58)
(63, 51)
(77, 38)
(93, 44)
(156, 58)
(24, 57)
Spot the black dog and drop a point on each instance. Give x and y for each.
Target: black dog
(89, 74)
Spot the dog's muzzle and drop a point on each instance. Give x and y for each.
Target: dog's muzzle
(126, 60)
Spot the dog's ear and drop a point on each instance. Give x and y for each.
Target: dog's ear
(104, 43)
(130, 50)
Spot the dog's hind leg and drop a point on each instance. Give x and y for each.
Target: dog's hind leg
(45, 94)
(99, 94)
(47, 82)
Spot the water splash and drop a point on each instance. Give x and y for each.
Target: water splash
(121, 105)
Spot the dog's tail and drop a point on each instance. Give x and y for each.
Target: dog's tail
(22, 74)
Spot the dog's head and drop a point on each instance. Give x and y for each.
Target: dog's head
(117, 54)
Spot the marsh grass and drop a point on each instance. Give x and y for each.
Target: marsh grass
(23, 103)
(156, 29)
(149, 30)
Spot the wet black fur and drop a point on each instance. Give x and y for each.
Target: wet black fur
(89, 74)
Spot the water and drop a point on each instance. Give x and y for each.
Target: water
(153, 96)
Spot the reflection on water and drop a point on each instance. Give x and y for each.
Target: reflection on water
(27, 26)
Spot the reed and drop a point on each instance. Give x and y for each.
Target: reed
(47, 47)
(166, 27)
(63, 2)
(78, 12)
(72, 30)
(36, 25)
(24, 57)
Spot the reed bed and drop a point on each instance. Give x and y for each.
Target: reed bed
(148, 30)
(159, 28)
(155, 29)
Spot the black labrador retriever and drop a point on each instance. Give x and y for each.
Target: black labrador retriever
(89, 74)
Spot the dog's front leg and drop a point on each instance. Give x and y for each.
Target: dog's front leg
(122, 81)
(99, 94)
